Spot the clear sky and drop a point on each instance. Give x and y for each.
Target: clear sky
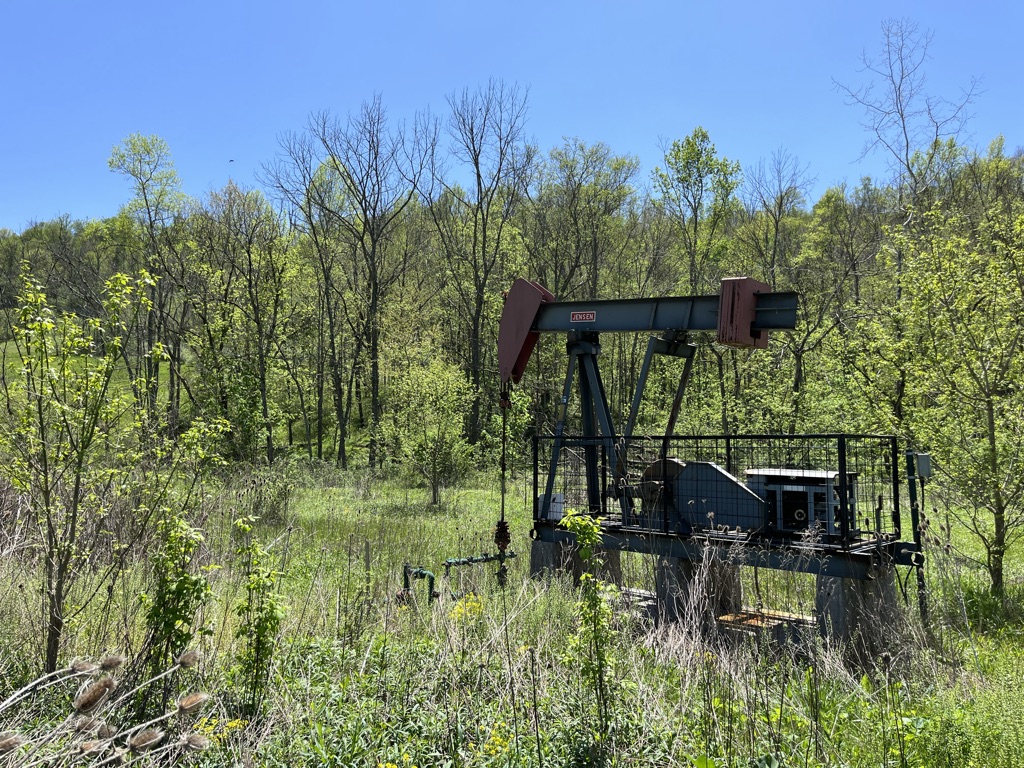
(222, 81)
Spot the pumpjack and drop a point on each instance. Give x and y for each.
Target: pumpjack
(828, 504)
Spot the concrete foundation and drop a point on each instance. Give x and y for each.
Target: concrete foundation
(863, 616)
(696, 592)
(547, 557)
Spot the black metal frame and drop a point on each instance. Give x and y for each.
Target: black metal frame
(601, 475)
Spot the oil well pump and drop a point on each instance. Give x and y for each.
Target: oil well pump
(824, 504)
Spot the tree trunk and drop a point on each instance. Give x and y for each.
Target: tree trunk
(997, 551)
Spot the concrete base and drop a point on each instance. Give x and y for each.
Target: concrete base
(863, 616)
(545, 558)
(696, 592)
(548, 557)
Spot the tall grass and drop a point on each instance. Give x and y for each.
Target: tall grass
(481, 675)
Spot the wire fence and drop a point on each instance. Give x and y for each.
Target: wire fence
(842, 488)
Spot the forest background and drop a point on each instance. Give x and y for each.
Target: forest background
(344, 315)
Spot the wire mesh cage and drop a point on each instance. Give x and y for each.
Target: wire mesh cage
(841, 488)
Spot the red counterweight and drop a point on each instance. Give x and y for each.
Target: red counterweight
(737, 309)
(516, 339)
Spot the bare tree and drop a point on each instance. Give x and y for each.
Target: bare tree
(903, 119)
(918, 131)
(775, 193)
(487, 132)
(376, 181)
(313, 194)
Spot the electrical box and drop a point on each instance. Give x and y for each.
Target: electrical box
(924, 464)
(805, 500)
(555, 509)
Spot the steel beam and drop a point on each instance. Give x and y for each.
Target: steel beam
(858, 562)
(774, 312)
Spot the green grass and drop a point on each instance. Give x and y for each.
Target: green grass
(362, 678)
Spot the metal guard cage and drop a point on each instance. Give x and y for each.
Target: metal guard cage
(823, 493)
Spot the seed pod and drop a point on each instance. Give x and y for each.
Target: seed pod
(94, 693)
(189, 659)
(93, 747)
(145, 739)
(87, 724)
(192, 702)
(111, 662)
(196, 742)
(9, 741)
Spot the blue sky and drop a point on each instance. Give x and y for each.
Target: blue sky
(222, 81)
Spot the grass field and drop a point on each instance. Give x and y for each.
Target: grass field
(486, 675)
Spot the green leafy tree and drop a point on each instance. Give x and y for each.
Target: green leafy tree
(150, 234)
(696, 190)
(243, 237)
(571, 228)
(88, 465)
(429, 403)
(965, 312)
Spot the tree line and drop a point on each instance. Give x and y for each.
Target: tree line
(347, 310)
